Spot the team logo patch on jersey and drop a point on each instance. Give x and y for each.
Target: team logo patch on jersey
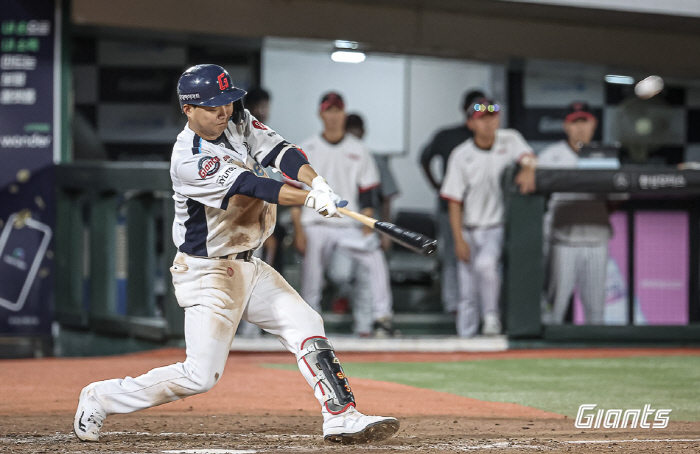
(258, 125)
(208, 166)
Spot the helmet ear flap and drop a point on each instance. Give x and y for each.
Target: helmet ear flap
(238, 112)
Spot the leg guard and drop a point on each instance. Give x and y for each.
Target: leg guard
(321, 368)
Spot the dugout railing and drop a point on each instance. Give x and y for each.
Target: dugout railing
(110, 220)
(649, 189)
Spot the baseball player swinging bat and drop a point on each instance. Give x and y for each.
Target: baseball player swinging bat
(407, 238)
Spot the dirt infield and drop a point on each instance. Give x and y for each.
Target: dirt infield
(265, 410)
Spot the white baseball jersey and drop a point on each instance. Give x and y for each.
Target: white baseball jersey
(349, 169)
(211, 220)
(576, 218)
(474, 177)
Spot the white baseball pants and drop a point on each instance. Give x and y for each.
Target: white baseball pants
(479, 279)
(582, 267)
(216, 294)
(371, 272)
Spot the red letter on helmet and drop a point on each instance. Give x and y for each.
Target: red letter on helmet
(223, 81)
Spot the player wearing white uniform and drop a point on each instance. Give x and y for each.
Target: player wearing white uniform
(225, 208)
(472, 187)
(439, 149)
(578, 228)
(347, 164)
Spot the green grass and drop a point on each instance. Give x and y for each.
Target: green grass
(556, 385)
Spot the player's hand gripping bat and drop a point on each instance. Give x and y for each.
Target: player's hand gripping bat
(407, 238)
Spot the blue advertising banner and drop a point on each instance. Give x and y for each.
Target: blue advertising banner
(29, 72)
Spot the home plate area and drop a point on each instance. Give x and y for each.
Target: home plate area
(239, 434)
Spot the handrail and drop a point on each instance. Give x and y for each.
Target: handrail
(115, 176)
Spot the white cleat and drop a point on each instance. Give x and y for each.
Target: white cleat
(352, 427)
(492, 325)
(89, 416)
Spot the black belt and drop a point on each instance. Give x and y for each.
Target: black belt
(246, 255)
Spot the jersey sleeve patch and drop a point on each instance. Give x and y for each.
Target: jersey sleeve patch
(208, 166)
(258, 125)
(206, 179)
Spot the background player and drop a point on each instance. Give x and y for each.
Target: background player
(348, 165)
(224, 209)
(440, 148)
(342, 268)
(473, 188)
(257, 101)
(577, 226)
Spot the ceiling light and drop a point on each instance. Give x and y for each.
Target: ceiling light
(342, 56)
(615, 79)
(340, 44)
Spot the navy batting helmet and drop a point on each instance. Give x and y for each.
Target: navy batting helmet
(210, 85)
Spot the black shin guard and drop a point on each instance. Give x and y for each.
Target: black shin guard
(325, 366)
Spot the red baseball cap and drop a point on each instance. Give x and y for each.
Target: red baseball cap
(577, 111)
(331, 99)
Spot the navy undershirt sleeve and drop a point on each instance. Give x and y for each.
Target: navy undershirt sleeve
(291, 162)
(368, 197)
(261, 188)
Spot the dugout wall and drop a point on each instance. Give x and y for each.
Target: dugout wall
(652, 190)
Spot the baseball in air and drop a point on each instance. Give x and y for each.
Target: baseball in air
(646, 88)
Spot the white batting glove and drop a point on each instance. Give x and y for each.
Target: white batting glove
(320, 184)
(322, 202)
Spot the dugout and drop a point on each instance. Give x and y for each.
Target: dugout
(655, 241)
(108, 68)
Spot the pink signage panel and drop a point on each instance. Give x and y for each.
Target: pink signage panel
(661, 267)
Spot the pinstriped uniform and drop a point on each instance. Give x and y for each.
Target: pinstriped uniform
(581, 267)
(578, 230)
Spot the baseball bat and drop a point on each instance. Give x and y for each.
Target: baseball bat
(412, 240)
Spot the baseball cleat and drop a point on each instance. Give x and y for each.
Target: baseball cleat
(384, 328)
(89, 416)
(352, 427)
(492, 325)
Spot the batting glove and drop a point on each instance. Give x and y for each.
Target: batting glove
(320, 184)
(322, 202)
